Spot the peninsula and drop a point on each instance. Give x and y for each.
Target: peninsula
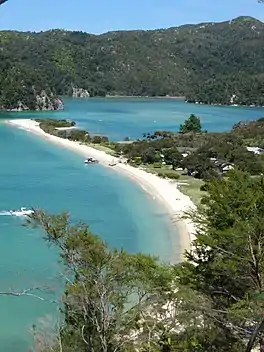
(161, 190)
(158, 161)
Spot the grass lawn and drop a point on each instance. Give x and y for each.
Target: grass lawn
(191, 188)
(156, 170)
(102, 148)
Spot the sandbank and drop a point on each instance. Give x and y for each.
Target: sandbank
(161, 190)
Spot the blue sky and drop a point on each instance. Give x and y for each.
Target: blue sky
(105, 15)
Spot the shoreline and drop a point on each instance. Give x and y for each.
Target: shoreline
(143, 97)
(163, 191)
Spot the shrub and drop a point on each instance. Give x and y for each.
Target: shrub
(169, 174)
(104, 140)
(204, 187)
(157, 165)
(161, 174)
(56, 123)
(96, 139)
(172, 175)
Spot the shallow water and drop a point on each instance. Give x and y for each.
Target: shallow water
(35, 173)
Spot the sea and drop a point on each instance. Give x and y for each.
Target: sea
(36, 173)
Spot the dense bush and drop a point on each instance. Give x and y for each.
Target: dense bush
(56, 123)
(207, 63)
(204, 187)
(169, 174)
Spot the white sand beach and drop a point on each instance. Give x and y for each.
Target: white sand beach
(161, 190)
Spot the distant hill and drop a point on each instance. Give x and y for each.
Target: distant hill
(209, 62)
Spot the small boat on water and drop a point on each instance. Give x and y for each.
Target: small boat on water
(91, 161)
(22, 212)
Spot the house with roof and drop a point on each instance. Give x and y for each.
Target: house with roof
(255, 150)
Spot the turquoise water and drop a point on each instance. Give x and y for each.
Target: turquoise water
(35, 173)
(120, 118)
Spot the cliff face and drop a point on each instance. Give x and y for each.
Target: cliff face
(46, 101)
(80, 93)
(43, 100)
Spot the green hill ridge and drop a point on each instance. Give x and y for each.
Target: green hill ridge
(214, 63)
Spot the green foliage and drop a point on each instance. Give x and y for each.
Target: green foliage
(150, 156)
(199, 165)
(204, 187)
(51, 126)
(226, 264)
(100, 140)
(192, 124)
(215, 297)
(78, 135)
(251, 132)
(209, 62)
(169, 174)
(172, 157)
(56, 123)
(108, 290)
(209, 154)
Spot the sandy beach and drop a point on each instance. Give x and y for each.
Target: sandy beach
(161, 190)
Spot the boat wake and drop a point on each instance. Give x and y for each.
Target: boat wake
(5, 213)
(20, 212)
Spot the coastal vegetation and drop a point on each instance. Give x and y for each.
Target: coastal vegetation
(66, 129)
(115, 301)
(191, 156)
(201, 154)
(204, 62)
(192, 125)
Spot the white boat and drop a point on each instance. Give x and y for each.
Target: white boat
(90, 161)
(22, 212)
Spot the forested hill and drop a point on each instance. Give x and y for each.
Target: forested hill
(210, 62)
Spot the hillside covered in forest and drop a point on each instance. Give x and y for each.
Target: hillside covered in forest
(211, 63)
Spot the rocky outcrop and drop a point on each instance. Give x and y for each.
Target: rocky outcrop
(46, 101)
(42, 101)
(80, 93)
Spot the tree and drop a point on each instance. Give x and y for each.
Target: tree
(75, 59)
(78, 135)
(172, 157)
(97, 140)
(106, 289)
(149, 156)
(200, 166)
(226, 263)
(192, 124)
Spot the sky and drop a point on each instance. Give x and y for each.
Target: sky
(99, 16)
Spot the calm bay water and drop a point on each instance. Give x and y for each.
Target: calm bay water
(35, 173)
(131, 117)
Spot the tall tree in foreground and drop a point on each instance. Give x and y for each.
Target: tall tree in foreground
(226, 264)
(213, 302)
(106, 289)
